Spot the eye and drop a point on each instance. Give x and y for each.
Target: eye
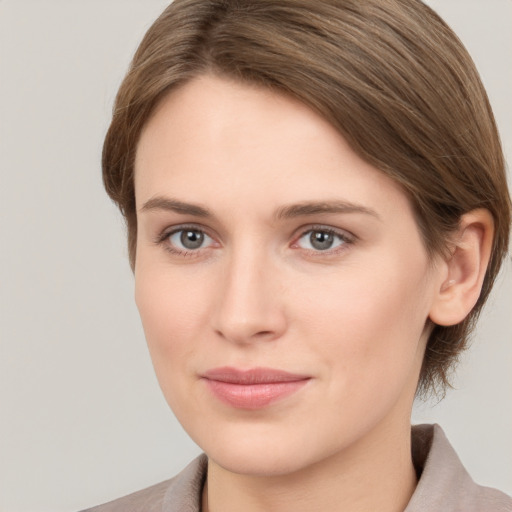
(189, 239)
(321, 240)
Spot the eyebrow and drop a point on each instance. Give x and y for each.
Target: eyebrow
(322, 207)
(285, 212)
(168, 204)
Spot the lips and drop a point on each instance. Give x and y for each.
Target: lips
(254, 388)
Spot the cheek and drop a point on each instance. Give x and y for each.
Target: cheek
(368, 327)
(169, 299)
(170, 310)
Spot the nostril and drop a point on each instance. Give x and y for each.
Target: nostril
(246, 335)
(263, 334)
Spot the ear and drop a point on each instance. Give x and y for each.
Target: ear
(464, 269)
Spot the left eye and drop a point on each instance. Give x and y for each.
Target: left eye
(189, 239)
(320, 240)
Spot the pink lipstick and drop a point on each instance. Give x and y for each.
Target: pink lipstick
(254, 388)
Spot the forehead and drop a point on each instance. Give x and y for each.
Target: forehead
(215, 140)
(225, 117)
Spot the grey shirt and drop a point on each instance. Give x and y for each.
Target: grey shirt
(444, 485)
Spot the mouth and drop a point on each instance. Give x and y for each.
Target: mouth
(254, 388)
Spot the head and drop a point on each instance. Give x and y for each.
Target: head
(388, 77)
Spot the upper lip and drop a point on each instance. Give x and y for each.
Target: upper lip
(252, 375)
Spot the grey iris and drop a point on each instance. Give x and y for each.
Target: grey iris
(192, 239)
(321, 240)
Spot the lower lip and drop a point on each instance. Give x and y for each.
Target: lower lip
(253, 396)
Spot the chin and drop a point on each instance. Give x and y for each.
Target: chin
(258, 462)
(260, 450)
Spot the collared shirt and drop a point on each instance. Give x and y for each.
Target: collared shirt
(444, 484)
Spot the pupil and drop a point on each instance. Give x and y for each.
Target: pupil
(321, 240)
(192, 239)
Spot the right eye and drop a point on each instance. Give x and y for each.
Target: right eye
(188, 239)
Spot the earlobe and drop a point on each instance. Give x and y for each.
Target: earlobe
(465, 269)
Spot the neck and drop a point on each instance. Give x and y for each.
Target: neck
(376, 473)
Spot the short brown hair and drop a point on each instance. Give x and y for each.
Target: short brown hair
(390, 75)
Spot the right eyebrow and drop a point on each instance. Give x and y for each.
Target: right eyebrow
(173, 205)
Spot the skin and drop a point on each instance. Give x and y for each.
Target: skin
(353, 318)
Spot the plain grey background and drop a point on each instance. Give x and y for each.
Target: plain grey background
(82, 420)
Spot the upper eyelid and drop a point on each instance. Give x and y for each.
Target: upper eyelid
(170, 230)
(344, 233)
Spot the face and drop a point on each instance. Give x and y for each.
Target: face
(282, 281)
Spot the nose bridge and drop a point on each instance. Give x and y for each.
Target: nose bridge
(248, 303)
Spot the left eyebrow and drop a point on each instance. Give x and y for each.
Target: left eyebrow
(315, 208)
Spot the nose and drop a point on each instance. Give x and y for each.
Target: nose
(249, 304)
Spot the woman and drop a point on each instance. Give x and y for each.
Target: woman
(317, 210)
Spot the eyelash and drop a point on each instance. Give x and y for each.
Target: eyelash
(346, 238)
(163, 240)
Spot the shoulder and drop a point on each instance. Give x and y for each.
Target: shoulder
(181, 493)
(149, 499)
(444, 483)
